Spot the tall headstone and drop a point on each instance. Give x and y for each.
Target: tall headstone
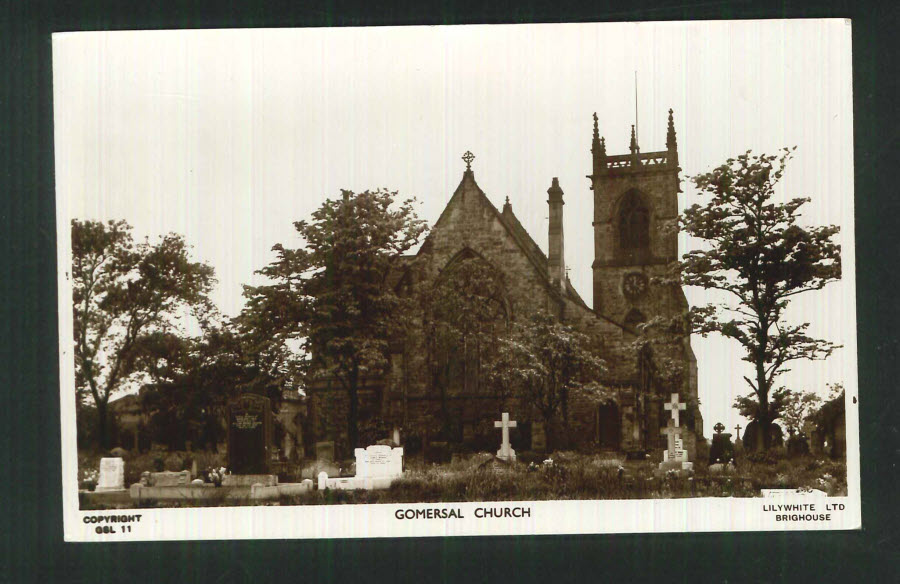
(675, 457)
(249, 435)
(506, 451)
(673, 441)
(721, 450)
(112, 475)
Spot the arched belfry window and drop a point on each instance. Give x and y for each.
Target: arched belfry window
(633, 223)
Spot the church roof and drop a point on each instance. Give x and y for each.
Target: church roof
(519, 235)
(530, 247)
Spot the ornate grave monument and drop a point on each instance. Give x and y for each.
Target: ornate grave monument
(675, 457)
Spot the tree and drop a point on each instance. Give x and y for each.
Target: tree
(797, 408)
(122, 294)
(545, 362)
(761, 258)
(333, 294)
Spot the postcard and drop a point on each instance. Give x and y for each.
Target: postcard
(457, 280)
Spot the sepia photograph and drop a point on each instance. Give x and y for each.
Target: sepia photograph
(457, 280)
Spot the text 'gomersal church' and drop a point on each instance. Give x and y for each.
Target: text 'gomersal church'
(436, 393)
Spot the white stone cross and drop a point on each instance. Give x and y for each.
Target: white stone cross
(505, 452)
(673, 432)
(674, 406)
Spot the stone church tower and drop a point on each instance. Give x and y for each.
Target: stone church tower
(635, 244)
(635, 229)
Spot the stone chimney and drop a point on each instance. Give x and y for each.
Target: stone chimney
(557, 265)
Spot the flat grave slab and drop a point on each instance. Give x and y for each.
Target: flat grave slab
(248, 480)
(169, 479)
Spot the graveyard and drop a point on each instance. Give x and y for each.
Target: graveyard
(248, 474)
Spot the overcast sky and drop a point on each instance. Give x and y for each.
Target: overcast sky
(227, 137)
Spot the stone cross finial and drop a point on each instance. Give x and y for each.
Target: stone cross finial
(505, 452)
(468, 157)
(719, 428)
(674, 406)
(738, 429)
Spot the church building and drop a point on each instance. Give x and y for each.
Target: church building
(437, 389)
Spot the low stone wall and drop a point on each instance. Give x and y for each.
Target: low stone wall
(208, 492)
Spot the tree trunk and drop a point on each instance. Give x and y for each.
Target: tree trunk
(761, 384)
(763, 413)
(353, 413)
(102, 425)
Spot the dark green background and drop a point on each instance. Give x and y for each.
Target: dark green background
(31, 529)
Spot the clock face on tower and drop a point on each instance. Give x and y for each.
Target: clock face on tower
(634, 285)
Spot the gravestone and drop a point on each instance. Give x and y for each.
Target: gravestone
(325, 451)
(675, 457)
(506, 451)
(676, 408)
(721, 450)
(249, 435)
(753, 437)
(379, 461)
(673, 437)
(112, 475)
(376, 467)
(169, 479)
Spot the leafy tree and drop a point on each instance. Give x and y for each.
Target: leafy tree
(122, 294)
(761, 258)
(666, 337)
(333, 295)
(545, 362)
(797, 408)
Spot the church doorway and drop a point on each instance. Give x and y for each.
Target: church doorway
(608, 426)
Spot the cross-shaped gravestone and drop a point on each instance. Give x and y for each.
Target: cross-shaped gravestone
(674, 406)
(738, 430)
(719, 428)
(468, 157)
(505, 452)
(673, 432)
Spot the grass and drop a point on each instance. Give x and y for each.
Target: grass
(572, 476)
(583, 477)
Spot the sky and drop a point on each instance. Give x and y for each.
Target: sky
(228, 136)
